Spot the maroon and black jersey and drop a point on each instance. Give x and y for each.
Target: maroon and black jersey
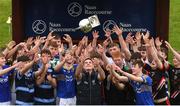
(174, 78)
(160, 82)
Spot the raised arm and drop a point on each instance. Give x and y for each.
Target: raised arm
(124, 48)
(13, 50)
(40, 74)
(49, 38)
(152, 50)
(38, 41)
(68, 39)
(95, 37)
(116, 75)
(60, 65)
(101, 51)
(101, 74)
(52, 80)
(81, 45)
(26, 67)
(4, 71)
(176, 54)
(9, 46)
(79, 69)
(108, 33)
(128, 75)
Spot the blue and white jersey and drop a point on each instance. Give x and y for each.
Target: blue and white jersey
(25, 87)
(44, 93)
(143, 91)
(5, 92)
(66, 82)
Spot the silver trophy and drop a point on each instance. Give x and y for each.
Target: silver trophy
(87, 24)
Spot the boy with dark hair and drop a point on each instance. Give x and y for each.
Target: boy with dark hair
(89, 75)
(45, 83)
(25, 80)
(174, 76)
(141, 83)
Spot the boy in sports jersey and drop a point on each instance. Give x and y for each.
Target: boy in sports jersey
(174, 76)
(5, 71)
(45, 83)
(141, 83)
(66, 79)
(25, 80)
(157, 72)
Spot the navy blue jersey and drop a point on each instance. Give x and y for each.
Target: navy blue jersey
(143, 91)
(25, 87)
(5, 94)
(66, 82)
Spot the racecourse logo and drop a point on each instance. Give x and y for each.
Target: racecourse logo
(39, 26)
(74, 9)
(109, 24)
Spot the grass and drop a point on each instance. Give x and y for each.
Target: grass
(174, 28)
(174, 25)
(5, 12)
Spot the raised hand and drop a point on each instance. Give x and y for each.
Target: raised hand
(11, 44)
(167, 44)
(138, 36)
(67, 38)
(96, 62)
(129, 39)
(146, 37)
(109, 67)
(95, 34)
(158, 42)
(108, 33)
(100, 49)
(37, 40)
(106, 42)
(117, 30)
(29, 41)
(50, 37)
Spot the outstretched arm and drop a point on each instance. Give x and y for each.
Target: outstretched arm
(128, 75)
(152, 50)
(124, 47)
(176, 54)
(59, 66)
(101, 74)
(4, 71)
(111, 68)
(79, 69)
(95, 37)
(52, 80)
(68, 39)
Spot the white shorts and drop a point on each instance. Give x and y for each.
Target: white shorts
(67, 101)
(5, 103)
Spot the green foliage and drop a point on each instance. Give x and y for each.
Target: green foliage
(5, 12)
(174, 26)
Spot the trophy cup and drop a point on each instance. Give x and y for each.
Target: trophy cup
(87, 24)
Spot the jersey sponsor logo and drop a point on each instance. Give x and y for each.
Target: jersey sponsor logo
(69, 78)
(4, 80)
